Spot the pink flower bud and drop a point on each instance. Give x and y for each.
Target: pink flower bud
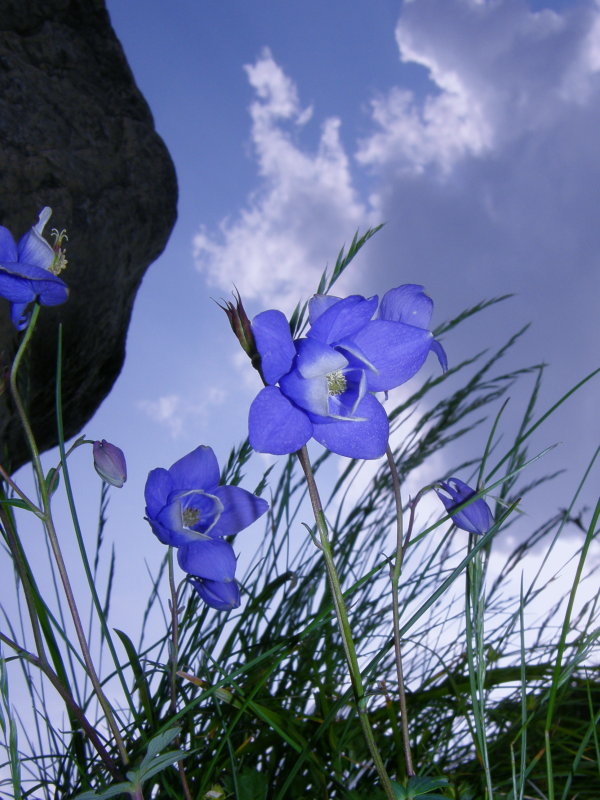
(109, 463)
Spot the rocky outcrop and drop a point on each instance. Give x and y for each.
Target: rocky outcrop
(76, 135)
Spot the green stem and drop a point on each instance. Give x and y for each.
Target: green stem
(401, 545)
(75, 710)
(7, 479)
(344, 625)
(174, 659)
(562, 646)
(53, 538)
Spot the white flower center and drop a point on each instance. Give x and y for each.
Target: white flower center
(336, 383)
(190, 517)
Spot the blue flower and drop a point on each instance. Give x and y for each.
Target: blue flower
(322, 385)
(474, 518)
(109, 463)
(27, 270)
(188, 509)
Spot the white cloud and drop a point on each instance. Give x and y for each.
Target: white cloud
(305, 205)
(498, 71)
(176, 413)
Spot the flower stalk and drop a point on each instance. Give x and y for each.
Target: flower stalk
(344, 625)
(48, 522)
(395, 572)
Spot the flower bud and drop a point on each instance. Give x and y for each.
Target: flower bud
(474, 518)
(109, 463)
(241, 326)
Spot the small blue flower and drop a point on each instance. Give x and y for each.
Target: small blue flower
(188, 509)
(474, 518)
(322, 385)
(109, 463)
(28, 270)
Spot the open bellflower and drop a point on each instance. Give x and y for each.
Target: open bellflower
(323, 385)
(474, 518)
(188, 509)
(28, 270)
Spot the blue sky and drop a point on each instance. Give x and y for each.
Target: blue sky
(468, 127)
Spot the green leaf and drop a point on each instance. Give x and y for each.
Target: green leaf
(112, 791)
(141, 684)
(9, 501)
(420, 787)
(156, 744)
(159, 763)
(252, 785)
(52, 481)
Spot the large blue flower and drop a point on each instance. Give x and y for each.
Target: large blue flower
(322, 385)
(474, 518)
(25, 271)
(187, 508)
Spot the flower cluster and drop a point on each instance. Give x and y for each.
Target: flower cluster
(323, 385)
(188, 509)
(474, 518)
(28, 271)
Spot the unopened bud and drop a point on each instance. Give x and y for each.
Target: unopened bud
(109, 463)
(241, 326)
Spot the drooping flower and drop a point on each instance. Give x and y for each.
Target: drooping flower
(28, 271)
(323, 385)
(188, 509)
(474, 518)
(109, 463)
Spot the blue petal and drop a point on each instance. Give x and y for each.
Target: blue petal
(397, 350)
(20, 282)
(8, 248)
(441, 354)
(14, 286)
(163, 534)
(240, 509)
(50, 290)
(224, 596)
(213, 559)
(274, 343)
(408, 304)
(275, 425)
(197, 470)
(35, 250)
(343, 319)
(367, 439)
(18, 316)
(158, 487)
(318, 304)
(316, 359)
(310, 394)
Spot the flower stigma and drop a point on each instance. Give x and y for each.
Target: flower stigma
(190, 517)
(336, 383)
(60, 259)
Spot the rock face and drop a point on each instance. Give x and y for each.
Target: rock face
(76, 135)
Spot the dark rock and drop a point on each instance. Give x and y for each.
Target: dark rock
(76, 135)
